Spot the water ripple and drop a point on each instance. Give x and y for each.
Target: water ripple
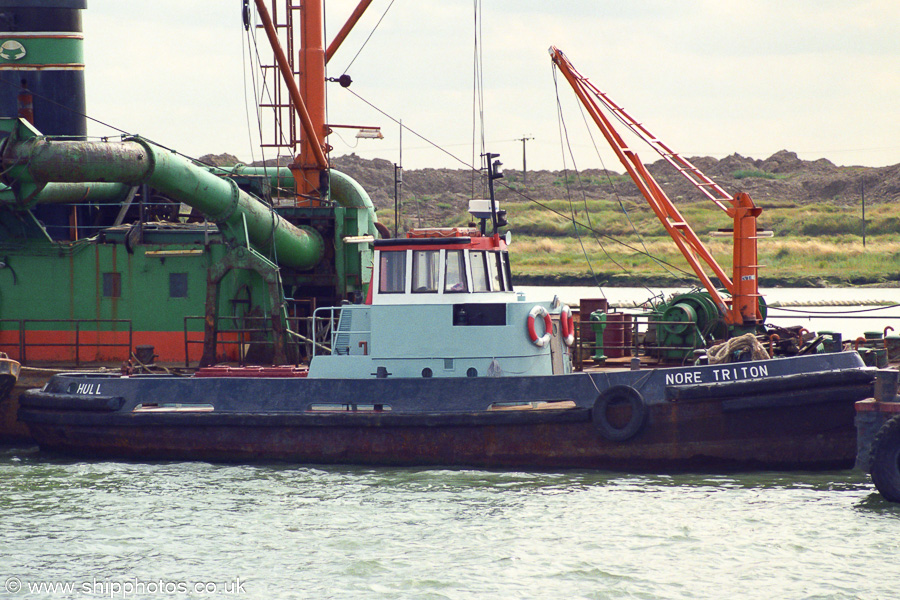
(346, 532)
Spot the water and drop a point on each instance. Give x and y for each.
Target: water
(288, 531)
(196, 530)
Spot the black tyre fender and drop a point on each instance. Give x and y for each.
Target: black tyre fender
(619, 394)
(885, 460)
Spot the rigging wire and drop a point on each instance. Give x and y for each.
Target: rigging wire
(509, 188)
(264, 91)
(245, 53)
(478, 97)
(564, 132)
(662, 263)
(68, 108)
(613, 186)
(564, 142)
(826, 313)
(124, 134)
(371, 33)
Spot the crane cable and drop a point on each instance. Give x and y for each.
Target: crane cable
(615, 191)
(566, 144)
(515, 191)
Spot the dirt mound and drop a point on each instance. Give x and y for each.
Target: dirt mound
(782, 178)
(434, 195)
(219, 160)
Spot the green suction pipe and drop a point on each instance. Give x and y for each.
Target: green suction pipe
(39, 162)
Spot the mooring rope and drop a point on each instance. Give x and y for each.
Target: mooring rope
(723, 352)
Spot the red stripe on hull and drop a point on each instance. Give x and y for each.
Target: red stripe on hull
(59, 346)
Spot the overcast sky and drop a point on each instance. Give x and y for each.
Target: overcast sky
(821, 78)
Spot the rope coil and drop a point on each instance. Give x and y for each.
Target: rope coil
(723, 352)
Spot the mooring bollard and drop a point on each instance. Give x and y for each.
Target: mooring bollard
(886, 382)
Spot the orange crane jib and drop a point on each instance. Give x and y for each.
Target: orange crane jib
(742, 308)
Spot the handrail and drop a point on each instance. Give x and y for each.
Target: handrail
(23, 330)
(242, 333)
(639, 321)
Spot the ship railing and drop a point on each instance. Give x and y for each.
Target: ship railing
(75, 328)
(338, 331)
(246, 332)
(629, 340)
(314, 331)
(240, 332)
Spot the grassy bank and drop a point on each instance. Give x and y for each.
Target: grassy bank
(792, 261)
(621, 244)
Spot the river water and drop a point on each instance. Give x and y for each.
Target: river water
(183, 530)
(103, 529)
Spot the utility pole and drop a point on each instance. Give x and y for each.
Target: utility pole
(862, 191)
(524, 139)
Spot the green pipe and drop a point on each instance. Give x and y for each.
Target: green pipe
(279, 177)
(38, 161)
(350, 194)
(64, 193)
(345, 190)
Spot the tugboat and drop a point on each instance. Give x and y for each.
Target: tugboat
(441, 361)
(446, 364)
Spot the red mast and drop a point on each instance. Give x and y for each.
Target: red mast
(308, 94)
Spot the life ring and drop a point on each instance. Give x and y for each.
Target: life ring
(884, 457)
(619, 394)
(539, 312)
(567, 325)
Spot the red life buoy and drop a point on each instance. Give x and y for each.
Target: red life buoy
(567, 324)
(539, 312)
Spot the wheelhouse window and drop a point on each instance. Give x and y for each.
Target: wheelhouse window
(392, 272)
(455, 273)
(495, 270)
(507, 270)
(425, 271)
(479, 271)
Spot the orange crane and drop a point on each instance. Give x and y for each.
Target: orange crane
(740, 311)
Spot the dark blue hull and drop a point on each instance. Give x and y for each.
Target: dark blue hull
(794, 413)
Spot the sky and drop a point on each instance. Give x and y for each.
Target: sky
(709, 78)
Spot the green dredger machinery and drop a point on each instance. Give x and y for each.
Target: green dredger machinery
(680, 325)
(262, 260)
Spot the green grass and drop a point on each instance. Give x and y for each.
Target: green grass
(811, 241)
(745, 173)
(785, 218)
(786, 259)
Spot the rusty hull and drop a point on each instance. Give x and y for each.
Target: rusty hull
(694, 436)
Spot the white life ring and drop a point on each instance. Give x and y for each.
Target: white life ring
(567, 325)
(539, 312)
